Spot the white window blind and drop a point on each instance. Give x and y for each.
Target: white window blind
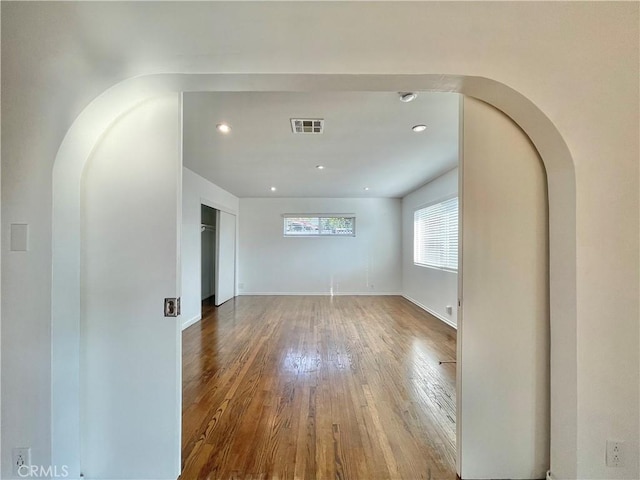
(435, 235)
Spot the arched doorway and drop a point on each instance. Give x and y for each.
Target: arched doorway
(98, 116)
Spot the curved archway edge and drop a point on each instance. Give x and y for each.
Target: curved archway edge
(96, 118)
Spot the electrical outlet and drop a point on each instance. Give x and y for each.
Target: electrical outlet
(21, 457)
(449, 309)
(615, 454)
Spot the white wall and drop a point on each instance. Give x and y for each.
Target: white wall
(226, 248)
(503, 337)
(197, 191)
(575, 61)
(368, 263)
(130, 429)
(430, 288)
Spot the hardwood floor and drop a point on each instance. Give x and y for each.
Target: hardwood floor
(311, 387)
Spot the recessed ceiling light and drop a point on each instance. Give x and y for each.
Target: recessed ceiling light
(320, 167)
(408, 97)
(366, 188)
(273, 189)
(419, 128)
(223, 128)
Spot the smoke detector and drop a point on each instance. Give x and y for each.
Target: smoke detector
(307, 125)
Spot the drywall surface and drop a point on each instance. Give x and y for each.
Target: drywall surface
(130, 352)
(431, 288)
(197, 191)
(577, 62)
(271, 263)
(226, 235)
(504, 406)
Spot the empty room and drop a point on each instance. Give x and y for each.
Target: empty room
(329, 345)
(337, 356)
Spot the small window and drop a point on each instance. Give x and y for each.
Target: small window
(435, 235)
(320, 225)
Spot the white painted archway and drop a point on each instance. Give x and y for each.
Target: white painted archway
(88, 128)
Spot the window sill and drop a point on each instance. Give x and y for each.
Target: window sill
(434, 267)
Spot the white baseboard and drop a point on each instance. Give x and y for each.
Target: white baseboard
(322, 294)
(431, 312)
(188, 323)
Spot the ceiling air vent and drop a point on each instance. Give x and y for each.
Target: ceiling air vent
(307, 125)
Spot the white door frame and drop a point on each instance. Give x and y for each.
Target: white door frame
(218, 206)
(219, 255)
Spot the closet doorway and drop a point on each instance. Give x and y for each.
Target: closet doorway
(208, 255)
(218, 252)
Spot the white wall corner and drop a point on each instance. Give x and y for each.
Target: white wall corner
(188, 323)
(431, 312)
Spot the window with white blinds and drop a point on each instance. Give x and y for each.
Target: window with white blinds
(435, 235)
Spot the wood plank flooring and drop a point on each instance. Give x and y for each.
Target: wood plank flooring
(311, 387)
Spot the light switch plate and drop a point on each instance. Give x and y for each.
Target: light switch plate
(19, 237)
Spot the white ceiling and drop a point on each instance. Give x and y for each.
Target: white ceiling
(367, 142)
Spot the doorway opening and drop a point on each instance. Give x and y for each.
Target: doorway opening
(85, 134)
(300, 276)
(208, 267)
(216, 259)
(404, 243)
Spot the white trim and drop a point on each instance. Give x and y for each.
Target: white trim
(434, 267)
(460, 312)
(320, 215)
(188, 323)
(216, 206)
(431, 312)
(324, 294)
